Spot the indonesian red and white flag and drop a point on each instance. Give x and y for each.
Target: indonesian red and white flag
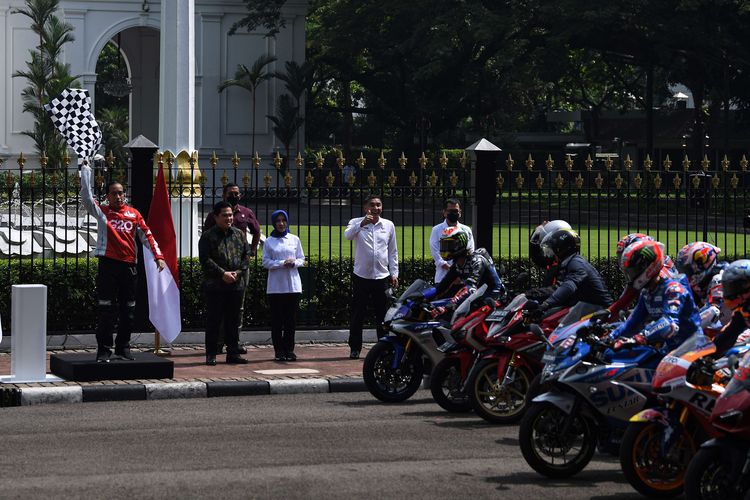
(163, 287)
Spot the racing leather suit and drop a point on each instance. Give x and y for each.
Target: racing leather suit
(476, 270)
(578, 281)
(670, 310)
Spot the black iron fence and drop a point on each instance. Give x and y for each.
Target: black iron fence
(675, 199)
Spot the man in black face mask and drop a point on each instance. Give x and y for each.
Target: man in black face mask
(244, 219)
(451, 212)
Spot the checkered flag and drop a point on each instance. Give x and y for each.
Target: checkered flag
(71, 114)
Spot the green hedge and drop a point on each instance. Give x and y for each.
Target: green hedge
(325, 301)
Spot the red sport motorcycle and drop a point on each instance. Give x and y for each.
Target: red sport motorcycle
(494, 362)
(721, 467)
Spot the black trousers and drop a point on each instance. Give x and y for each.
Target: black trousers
(367, 292)
(222, 311)
(284, 307)
(115, 291)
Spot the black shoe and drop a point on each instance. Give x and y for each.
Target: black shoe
(124, 353)
(236, 360)
(279, 357)
(103, 354)
(354, 354)
(290, 356)
(210, 360)
(241, 349)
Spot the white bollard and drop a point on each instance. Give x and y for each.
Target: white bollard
(28, 319)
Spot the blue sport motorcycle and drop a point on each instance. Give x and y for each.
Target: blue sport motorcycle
(592, 392)
(394, 367)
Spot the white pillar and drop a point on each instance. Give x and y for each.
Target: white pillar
(177, 76)
(28, 358)
(177, 106)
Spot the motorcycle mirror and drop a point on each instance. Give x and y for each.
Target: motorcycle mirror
(536, 330)
(732, 363)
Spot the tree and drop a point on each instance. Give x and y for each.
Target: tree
(114, 124)
(250, 79)
(297, 79)
(46, 76)
(286, 123)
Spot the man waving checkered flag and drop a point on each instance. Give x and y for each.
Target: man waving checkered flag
(70, 112)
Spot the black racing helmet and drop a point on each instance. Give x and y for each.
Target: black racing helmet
(535, 242)
(561, 244)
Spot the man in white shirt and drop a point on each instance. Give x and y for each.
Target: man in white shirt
(451, 213)
(375, 268)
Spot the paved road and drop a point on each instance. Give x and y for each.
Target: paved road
(285, 446)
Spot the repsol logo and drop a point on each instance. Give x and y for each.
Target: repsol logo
(122, 225)
(702, 401)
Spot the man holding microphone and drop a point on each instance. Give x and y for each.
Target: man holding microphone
(375, 268)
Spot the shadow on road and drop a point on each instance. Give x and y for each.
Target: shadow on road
(585, 479)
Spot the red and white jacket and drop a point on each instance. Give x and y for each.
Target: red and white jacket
(116, 230)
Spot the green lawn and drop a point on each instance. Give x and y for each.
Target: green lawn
(325, 241)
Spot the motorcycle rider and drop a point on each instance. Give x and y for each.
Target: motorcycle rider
(629, 294)
(550, 265)
(473, 269)
(699, 261)
(735, 283)
(577, 280)
(665, 304)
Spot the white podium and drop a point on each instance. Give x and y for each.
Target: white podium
(28, 341)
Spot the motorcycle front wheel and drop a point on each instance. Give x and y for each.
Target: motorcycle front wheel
(389, 384)
(494, 401)
(547, 449)
(445, 385)
(644, 464)
(708, 476)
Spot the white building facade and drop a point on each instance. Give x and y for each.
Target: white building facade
(175, 61)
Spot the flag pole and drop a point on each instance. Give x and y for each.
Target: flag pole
(157, 346)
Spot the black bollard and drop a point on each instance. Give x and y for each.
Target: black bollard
(142, 153)
(486, 155)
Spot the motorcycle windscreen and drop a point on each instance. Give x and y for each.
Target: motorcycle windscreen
(740, 379)
(577, 312)
(415, 287)
(465, 306)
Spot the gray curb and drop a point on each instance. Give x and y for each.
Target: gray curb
(27, 396)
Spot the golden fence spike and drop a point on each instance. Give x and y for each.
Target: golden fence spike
(539, 181)
(657, 181)
(529, 163)
(500, 181)
(422, 161)
(578, 181)
(402, 160)
(589, 162)
(598, 180)
(443, 160)
(277, 161)
(696, 181)
(382, 161)
(235, 160)
(705, 162)
(638, 181)
(371, 179)
(549, 162)
(43, 160)
(559, 181)
(608, 163)
(509, 162)
(413, 179)
(288, 179)
(66, 159)
(214, 160)
(432, 179)
(453, 179)
(340, 161)
(299, 161)
(361, 161)
(267, 179)
(464, 160)
(392, 179)
(686, 163)
(246, 179)
(352, 180)
(743, 163)
(329, 179)
(568, 162)
(734, 181)
(21, 160)
(618, 181)
(319, 161)
(627, 163)
(677, 181)
(309, 179)
(647, 163)
(715, 181)
(519, 181)
(667, 164)
(256, 160)
(725, 163)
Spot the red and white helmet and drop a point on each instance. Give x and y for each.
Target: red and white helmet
(697, 260)
(642, 262)
(628, 240)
